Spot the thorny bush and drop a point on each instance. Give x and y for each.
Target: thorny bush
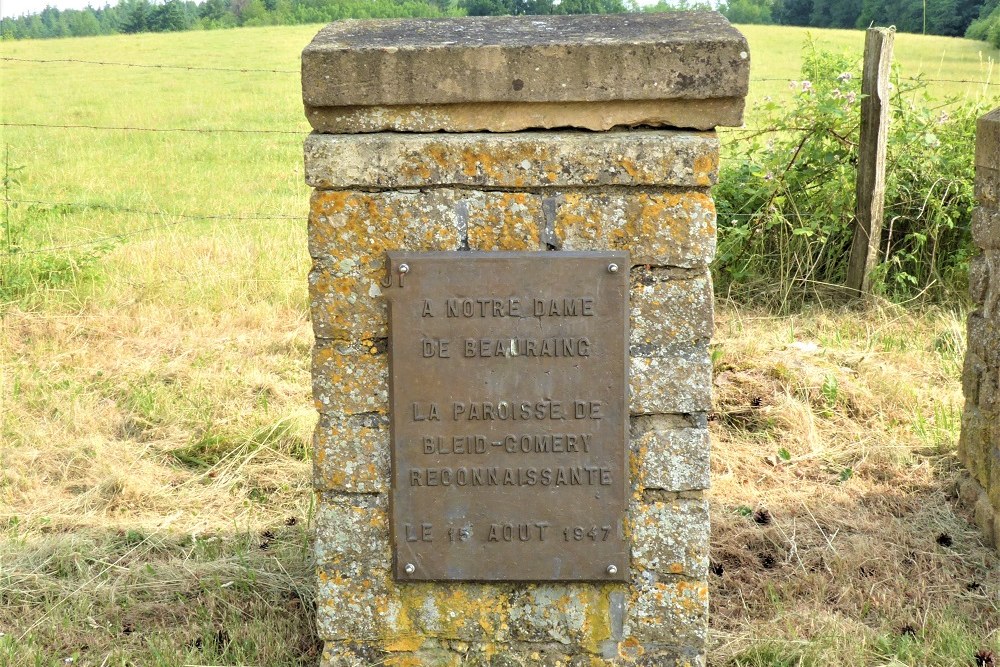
(786, 197)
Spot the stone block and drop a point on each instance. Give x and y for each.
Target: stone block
(979, 278)
(670, 459)
(972, 373)
(357, 228)
(567, 614)
(657, 228)
(524, 160)
(678, 380)
(502, 220)
(352, 534)
(670, 538)
(513, 116)
(670, 611)
(349, 233)
(345, 299)
(986, 228)
(513, 60)
(351, 654)
(988, 392)
(451, 612)
(985, 518)
(351, 453)
(988, 140)
(983, 338)
(669, 307)
(352, 562)
(350, 378)
(975, 436)
(988, 185)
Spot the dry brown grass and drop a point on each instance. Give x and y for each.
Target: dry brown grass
(152, 456)
(835, 537)
(155, 500)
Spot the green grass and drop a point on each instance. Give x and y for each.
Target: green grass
(776, 53)
(156, 410)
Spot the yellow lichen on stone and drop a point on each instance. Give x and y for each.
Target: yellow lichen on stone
(629, 649)
(597, 619)
(504, 221)
(705, 168)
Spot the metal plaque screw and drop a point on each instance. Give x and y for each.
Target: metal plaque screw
(404, 268)
(612, 569)
(612, 268)
(409, 568)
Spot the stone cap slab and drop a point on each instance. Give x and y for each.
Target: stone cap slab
(988, 140)
(369, 76)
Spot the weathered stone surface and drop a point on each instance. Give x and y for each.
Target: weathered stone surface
(514, 116)
(352, 654)
(521, 654)
(975, 444)
(986, 228)
(668, 307)
(984, 338)
(657, 228)
(985, 517)
(351, 453)
(352, 561)
(972, 373)
(560, 613)
(671, 538)
(524, 160)
(349, 233)
(544, 59)
(501, 220)
(975, 499)
(670, 459)
(988, 185)
(988, 140)
(668, 611)
(350, 378)
(979, 278)
(352, 534)
(454, 612)
(677, 380)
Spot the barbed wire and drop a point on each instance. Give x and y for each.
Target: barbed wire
(182, 218)
(150, 66)
(923, 80)
(128, 128)
(915, 79)
(251, 70)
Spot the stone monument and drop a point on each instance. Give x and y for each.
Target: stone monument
(510, 230)
(979, 445)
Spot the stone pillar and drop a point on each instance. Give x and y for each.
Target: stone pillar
(422, 143)
(979, 445)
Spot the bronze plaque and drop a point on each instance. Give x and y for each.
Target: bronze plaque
(509, 417)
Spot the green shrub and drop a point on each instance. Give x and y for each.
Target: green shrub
(786, 196)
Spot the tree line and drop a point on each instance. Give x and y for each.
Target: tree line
(134, 16)
(978, 19)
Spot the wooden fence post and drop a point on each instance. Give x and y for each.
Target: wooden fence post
(871, 158)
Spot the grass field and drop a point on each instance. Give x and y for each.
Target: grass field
(155, 498)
